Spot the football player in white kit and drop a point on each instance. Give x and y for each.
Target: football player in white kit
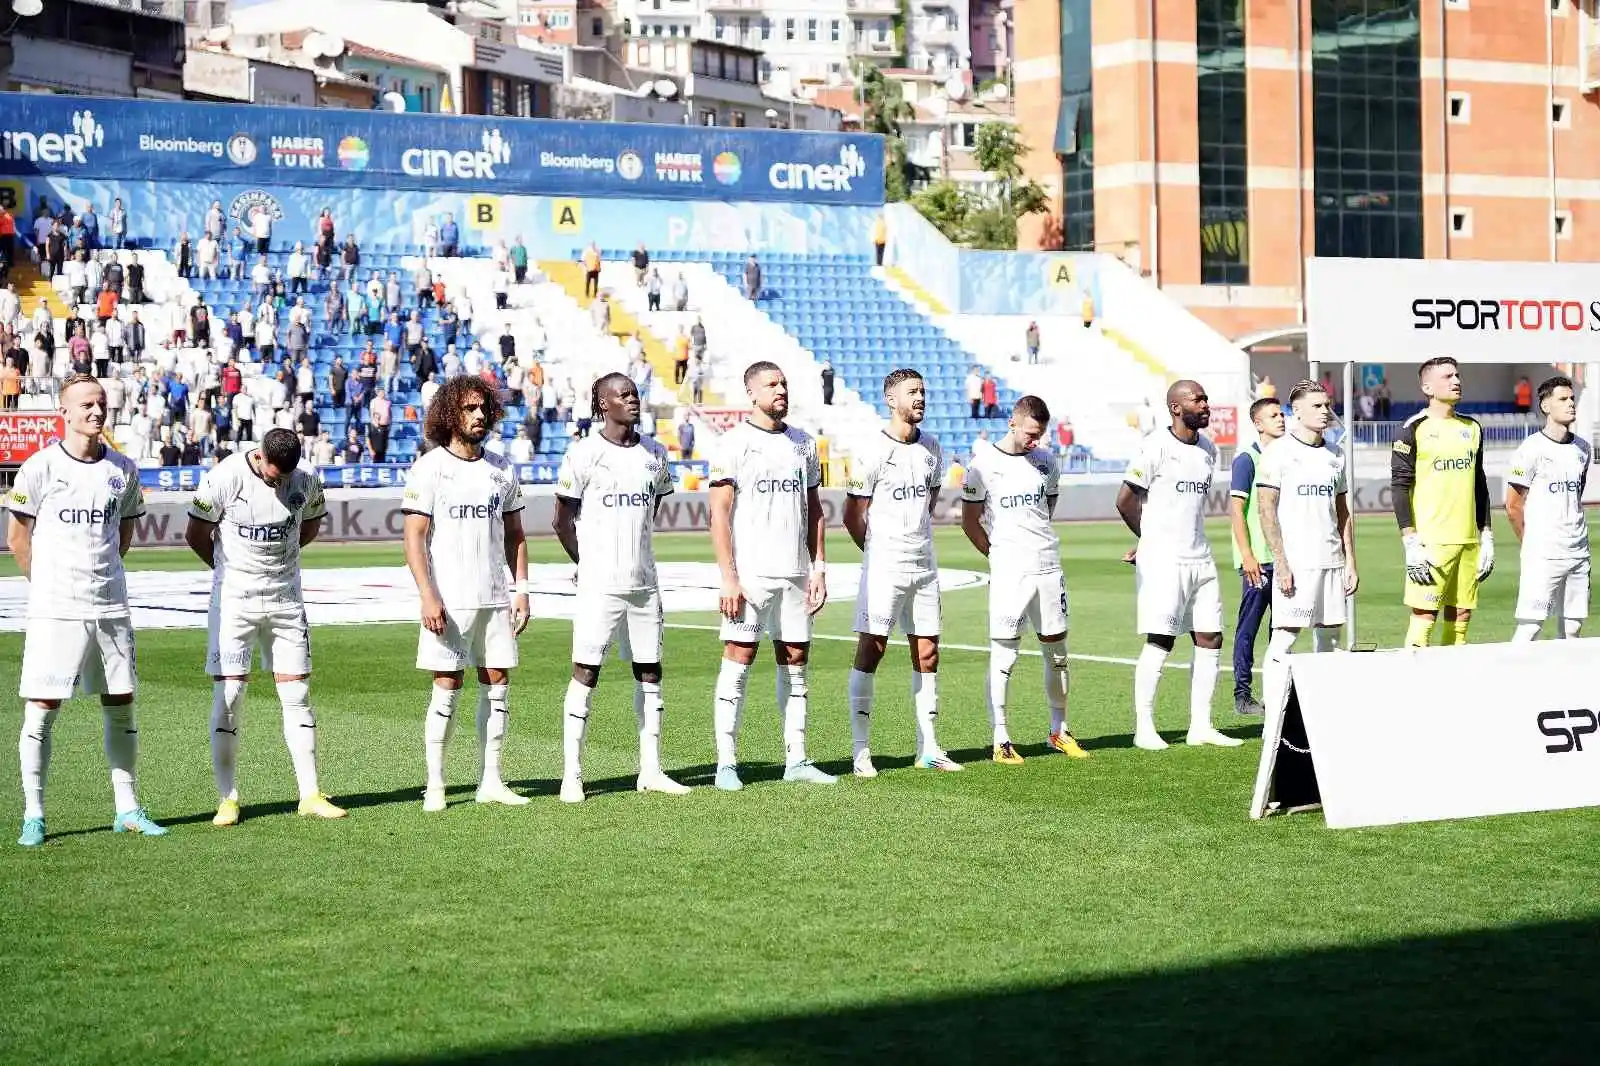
(73, 507)
(1544, 503)
(767, 526)
(1008, 498)
(249, 518)
(607, 492)
(463, 536)
(1302, 487)
(1163, 501)
(894, 486)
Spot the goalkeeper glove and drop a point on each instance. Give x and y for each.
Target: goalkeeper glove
(1419, 569)
(1485, 554)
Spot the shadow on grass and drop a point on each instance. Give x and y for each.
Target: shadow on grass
(1521, 995)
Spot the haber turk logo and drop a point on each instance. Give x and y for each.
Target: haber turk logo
(495, 151)
(300, 152)
(820, 177)
(53, 147)
(353, 154)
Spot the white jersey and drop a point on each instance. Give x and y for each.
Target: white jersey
(78, 508)
(771, 472)
(1553, 472)
(1177, 480)
(467, 501)
(617, 489)
(1018, 493)
(1309, 478)
(900, 478)
(257, 549)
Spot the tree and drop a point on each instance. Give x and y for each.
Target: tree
(883, 108)
(999, 150)
(946, 206)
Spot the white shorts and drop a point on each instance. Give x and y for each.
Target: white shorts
(602, 616)
(1553, 587)
(1318, 600)
(1177, 597)
(776, 606)
(283, 637)
(95, 656)
(1037, 601)
(481, 638)
(885, 599)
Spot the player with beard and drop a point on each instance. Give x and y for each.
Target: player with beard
(767, 526)
(464, 545)
(893, 489)
(607, 493)
(1163, 501)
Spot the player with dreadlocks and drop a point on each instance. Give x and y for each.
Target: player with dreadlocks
(464, 542)
(607, 492)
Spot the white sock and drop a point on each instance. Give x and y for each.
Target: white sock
(227, 703)
(1146, 679)
(1057, 682)
(1275, 670)
(574, 727)
(925, 698)
(648, 706)
(1571, 628)
(34, 747)
(1324, 639)
(300, 734)
(1526, 631)
(493, 718)
(122, 752)
(1202, 686)
(437, 729)
(794, 715)
(1002, 657)
(860, 710)
(729, 706)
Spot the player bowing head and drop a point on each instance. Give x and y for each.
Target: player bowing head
(280, 455)
(1008, 499)
(464, 538)
(892, 491)
(767, 527)
(1544, 503)
(614, 480)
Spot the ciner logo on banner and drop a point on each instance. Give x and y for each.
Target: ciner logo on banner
(55, 147)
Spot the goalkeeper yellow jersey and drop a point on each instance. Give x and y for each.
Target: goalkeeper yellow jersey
(1437, 480)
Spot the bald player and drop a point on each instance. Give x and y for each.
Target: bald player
(1163, 501)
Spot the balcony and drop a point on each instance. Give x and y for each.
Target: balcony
(873, 7)
(933, 34)
(873, 46)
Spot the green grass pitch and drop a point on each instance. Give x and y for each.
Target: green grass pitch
(1120, 910)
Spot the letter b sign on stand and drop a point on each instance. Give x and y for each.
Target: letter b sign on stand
(483, 214)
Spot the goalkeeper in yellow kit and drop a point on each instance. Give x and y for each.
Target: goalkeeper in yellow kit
(1441, 500)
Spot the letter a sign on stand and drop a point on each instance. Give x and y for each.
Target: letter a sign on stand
(1424, 734)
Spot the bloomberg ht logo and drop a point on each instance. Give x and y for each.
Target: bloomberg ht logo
(820, 177)
(444, 163)
(1567, 728)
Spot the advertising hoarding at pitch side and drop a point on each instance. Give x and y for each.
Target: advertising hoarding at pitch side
(24, 432)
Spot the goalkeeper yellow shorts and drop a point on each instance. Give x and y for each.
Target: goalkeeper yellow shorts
(1455, 574)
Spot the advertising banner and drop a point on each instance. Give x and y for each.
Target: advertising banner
(23, 433)
(1412, 310)
(84, 137)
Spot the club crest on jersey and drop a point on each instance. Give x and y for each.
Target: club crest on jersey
(296, 500)
(116, 482)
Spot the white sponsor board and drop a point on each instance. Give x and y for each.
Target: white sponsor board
(180, 599)
(1452, 732)
(1411, 310)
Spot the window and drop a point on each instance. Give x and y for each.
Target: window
(811, 29)
(525, 99)
(1461, 222)
(559, 20)
(497, 96)
(1367, 132)
(1563, 223)
(719, 26)
(883, 29)
(764, 69)
(1560, 113)
(747, 69)
(698, 62)
(191, 12)
(1460, 105)
(744, 28)
(788, 29)
(856, 28)
(597, 26)
(425, 98)
(833, 31)
(708, 117)
(736, 118)
(766, 29)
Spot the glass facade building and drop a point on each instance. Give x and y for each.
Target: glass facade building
(1223, 142)
(1075, 124)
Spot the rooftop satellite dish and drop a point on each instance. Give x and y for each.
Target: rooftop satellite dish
(27, 8)
(314, 45)
(332, 46)
(666, 88)
(955, 88)
(1000, 91)
(394, 102)
(216, 34)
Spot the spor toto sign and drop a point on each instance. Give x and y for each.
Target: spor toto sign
(1411, 310)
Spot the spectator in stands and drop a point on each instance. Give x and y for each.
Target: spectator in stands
(8, 241)
(550, 401)
(697, 380)
(391, 293)
(105, 305)
(974, 389)
(450, 238)
(78, 277)
(90, 221)
(652, 288)
(216, 225)
(200, 325)
(41, 237)
(325, 228)
(880, 238)
(135, 279)
(519, 261)
(680, 292)
(113, 276)
(641, 264)
(119, 224)
(752, 279)
(591, 270)
(501, 256)
(10, 306)
(375, 306)
(100, 350)
(261, 230)
(77, 236)
(299, 269)
(388, 368)
(184, 256)
(133, 338)
(1032, 341)
(991, 397)
(500, 285)
(508, 344)
(322, 450)
(334, 309)
(685, 434)
(56, 249)
(322, 254)
(642, 376)
(1367, 406)
(261, 280)
(169, 452)
(521, 450)
(266, 335)
(10, 386)
(240, 252)
(378, 414)
(177, 400)
(681, 351)
(1329, 387)
(422, 281)
(350, 257)
(393, 331)
(827, 383)
(337, 375)
(116, 339)
(78, 348)
(430, 238)
(452, 362)
(350, 454)
(424, 362)
(1381, 396)
(191, 451)
(438, 292)
(1066, 437)
(305, 382)
(116, 398)
(463, 314)
(426, 393)
(600, 314)
(1522, 396)
(201, 424)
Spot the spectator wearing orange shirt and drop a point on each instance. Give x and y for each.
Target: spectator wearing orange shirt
(991, 398)
(1522, 396)
(105, 305)
(680, 357)
(880, 238)
(10, 385)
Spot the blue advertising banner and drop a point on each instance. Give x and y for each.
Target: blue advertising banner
(88, 137)
(371, 475)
